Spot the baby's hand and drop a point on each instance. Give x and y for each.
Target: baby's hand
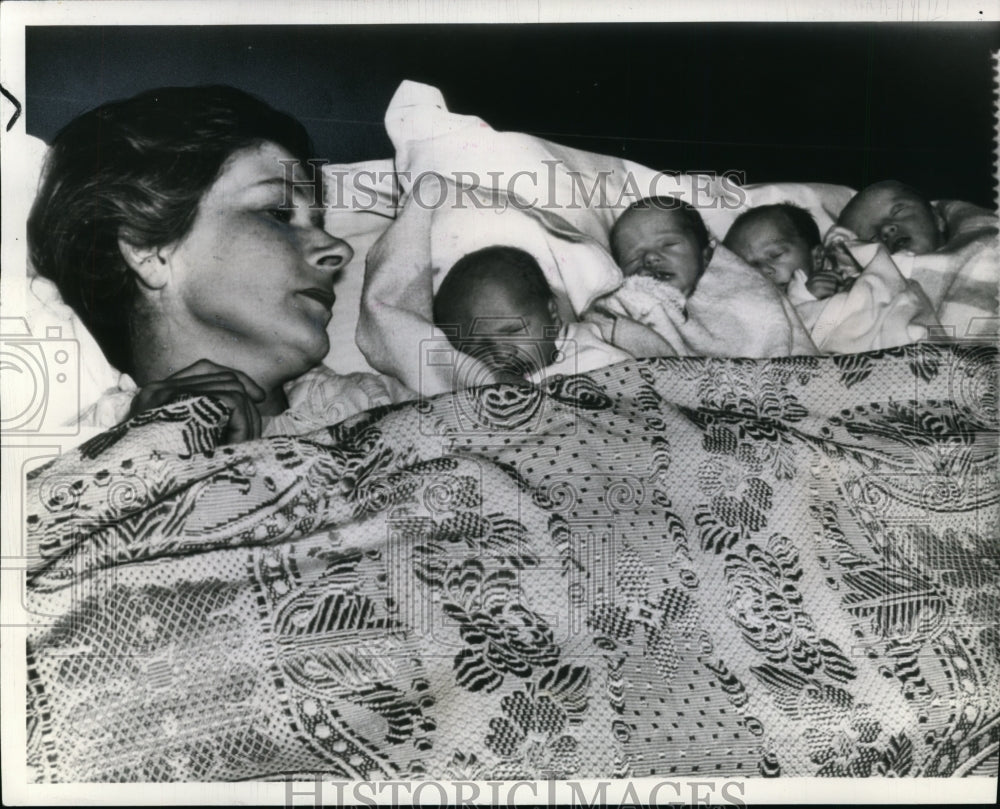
(838, 272)
(824, 283)
(839, 258)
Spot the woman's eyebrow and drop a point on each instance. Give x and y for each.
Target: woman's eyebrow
(313, 198)
(278, 181)
(292, 188)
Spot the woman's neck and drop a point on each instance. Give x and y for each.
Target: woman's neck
(160, 358)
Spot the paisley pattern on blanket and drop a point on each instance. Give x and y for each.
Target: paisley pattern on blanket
(679, 567)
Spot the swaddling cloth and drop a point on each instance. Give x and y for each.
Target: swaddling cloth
(882, 309)
(733, 312)
(906, 297)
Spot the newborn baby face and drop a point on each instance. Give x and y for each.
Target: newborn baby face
(771, 245)
(660, 244)
(894, 214)
(509, 331)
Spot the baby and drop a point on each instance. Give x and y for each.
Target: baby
(664, 239)
(781, 241)
(496, 305)
(700, 302)
(896, 215)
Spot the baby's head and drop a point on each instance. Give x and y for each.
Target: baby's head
(777, 240)
(896, 215)
(496, 305)
(664, 238)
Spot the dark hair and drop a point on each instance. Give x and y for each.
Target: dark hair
(688, 213)
(137, 169)
(510, 264)
(800, 219)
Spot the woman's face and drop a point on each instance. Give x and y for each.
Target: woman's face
(251, 284)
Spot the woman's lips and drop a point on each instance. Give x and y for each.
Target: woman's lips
(324, 296)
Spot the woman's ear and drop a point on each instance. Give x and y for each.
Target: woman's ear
(147, 263)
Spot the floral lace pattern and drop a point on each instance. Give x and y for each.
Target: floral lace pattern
(701, 568)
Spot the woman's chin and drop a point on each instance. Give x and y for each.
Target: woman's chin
(318, 352)
(306, 353)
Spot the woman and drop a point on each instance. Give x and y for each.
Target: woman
(185, 229)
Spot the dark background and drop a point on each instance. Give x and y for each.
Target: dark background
(839, 103)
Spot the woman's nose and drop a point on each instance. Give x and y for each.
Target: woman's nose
(328, 252)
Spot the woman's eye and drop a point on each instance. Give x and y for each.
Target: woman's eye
(283, 215)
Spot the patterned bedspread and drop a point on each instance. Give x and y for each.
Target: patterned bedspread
(674, 567)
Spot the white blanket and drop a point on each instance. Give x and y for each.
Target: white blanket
(733, 312)
(905, 298)
(467, 187)
(881, 310)
(396, 330)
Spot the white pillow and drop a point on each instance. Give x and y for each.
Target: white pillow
(49, 354)
(362, 201)
(576, 194)
(566, 232)
(428, 138)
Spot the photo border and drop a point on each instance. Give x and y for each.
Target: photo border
(14, 17)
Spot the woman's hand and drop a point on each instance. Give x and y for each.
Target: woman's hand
(236, 390)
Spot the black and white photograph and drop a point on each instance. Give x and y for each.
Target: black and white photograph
(406, 403)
